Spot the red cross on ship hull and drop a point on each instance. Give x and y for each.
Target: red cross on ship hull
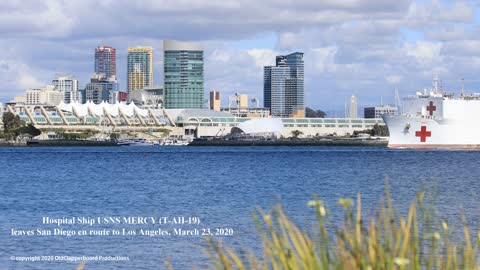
(431, 108)
(423, 134)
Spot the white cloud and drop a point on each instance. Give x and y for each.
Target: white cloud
(424, 52)
(262, 57)
(350, 46)
(26, 80)
(322, 59)
(393, 79)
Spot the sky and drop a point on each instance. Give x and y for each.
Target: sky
(352, 47)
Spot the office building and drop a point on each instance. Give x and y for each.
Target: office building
(183, 75)
(283, 86)
(106, 63)
(353, 107)
(68, 86)
(215, 102)
(139, 68)
(242, 101)
(100, 90)
(376, 112)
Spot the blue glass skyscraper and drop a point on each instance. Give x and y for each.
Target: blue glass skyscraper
(283, 86)
(184, 78)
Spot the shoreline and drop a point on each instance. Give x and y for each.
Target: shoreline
(58, 143)
(300, 142)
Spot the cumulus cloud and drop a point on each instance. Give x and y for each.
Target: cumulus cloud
(357, 47)
(3, 65)
(424, 52)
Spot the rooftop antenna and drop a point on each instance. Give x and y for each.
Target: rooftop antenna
(396, 93)
(381, 101)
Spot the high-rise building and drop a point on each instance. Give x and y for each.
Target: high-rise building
(68, 86)
(353, 107)
(139, 68)
(104, 81)
(183, 75)
(283, 86)
(215, 101)
(106, 62)
(100, 90)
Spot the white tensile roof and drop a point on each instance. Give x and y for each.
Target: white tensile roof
(262, 125)
(99, 109)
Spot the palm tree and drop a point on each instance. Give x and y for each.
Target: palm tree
(296, 133)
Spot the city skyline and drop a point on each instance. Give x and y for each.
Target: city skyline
(352, 47)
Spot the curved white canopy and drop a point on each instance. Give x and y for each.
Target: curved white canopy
(91, 108)
(262, 125)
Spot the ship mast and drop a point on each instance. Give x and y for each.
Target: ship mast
(435, 83)
(398, 102)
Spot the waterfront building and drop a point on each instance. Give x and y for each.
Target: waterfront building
(377, 112)
(215, 101)
(180, 122)
(283, 86)
(68, 86)
(183, 75)
(106, 63)
(139, 68)
(353, 107)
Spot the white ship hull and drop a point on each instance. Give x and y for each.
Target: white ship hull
(423, 133)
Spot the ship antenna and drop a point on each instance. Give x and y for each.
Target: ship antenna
(463, 87)
(397, 97)
(396, 92)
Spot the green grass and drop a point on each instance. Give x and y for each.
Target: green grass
(388, 240)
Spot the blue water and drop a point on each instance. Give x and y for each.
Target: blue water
(221, 185)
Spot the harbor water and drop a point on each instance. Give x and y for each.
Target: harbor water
(221, 186)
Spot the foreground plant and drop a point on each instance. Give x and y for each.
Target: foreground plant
(387, 241)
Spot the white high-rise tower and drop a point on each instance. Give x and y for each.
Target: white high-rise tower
(353, 107)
